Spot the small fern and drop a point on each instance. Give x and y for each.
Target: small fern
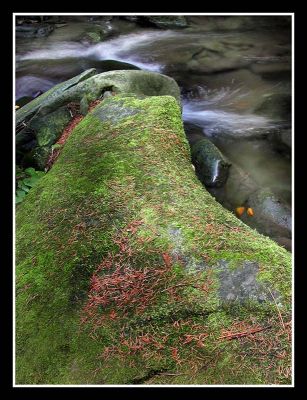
(25, 181)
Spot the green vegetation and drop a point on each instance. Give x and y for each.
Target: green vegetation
(25, 181)
(118, 250)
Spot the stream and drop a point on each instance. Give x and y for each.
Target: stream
(235, 86)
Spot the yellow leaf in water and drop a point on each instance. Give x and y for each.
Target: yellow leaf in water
(250, 212)
(239, 211)
(16, 107)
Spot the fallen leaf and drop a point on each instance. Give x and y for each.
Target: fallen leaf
(240, 211)
(250, 212)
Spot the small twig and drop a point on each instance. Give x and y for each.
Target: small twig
(237, 335)
(279, 314)
(180, 285)
(169, 374)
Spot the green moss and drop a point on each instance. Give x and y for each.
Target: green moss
(111, 173)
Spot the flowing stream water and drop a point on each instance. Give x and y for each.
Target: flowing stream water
(235, 85)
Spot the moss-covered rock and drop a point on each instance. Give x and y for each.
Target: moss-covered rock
(128, 270)
(28, 110)
(45, 117)
(93, 86)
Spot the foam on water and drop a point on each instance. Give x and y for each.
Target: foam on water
(214, 112)
(119, 49)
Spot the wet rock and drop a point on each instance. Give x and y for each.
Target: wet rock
(272, 216)
(24, 100)
(284, 242)
(238, 187)
(229, 23)
(281, 139)
(91, 37)
(33, 30)
(167, 21)
(112, 65)
(277, 106)
(130, 18)
(96, 33)
(25, 141)
(211, 166)
(37, 157)
(193, 132)
(51, 96)
(47, 115)
(92, 85)
(210, 62)
(46, 130)
(273, 70)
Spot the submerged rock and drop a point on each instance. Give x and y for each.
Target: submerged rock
(117, 249)
(277, 106)
(272, 216)
(168, 21)
(33, 30)
(281, 139)
(211, 166)
(273, 70)
(236, 190)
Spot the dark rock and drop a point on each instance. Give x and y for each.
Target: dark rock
(130, 18)
(23, 100)
(271, 71)
(33, 30)
(236, 190)
(281, 139)
(46, 130)
(277, 106)
(284, 242)
(229, 23)
(167, 21)
(111, 65)
(52, 95)
(211, 166)
(37, 158)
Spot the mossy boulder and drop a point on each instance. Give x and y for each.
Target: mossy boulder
(129, 272)
(46, 116)
(30, 109)
(211, 166)
(93, 86)
(35, 141)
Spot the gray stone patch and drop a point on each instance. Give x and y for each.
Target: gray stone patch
(114, 112)
(190, 262)
(240, 284)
